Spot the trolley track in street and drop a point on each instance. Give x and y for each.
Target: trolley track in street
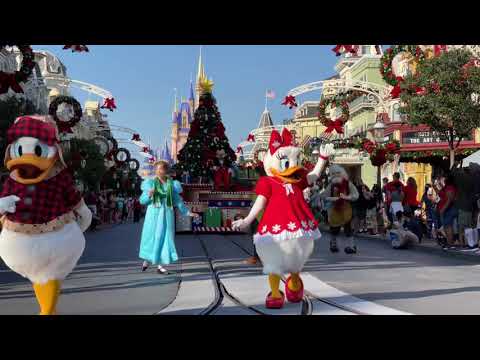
(220, 290)
(307, 306)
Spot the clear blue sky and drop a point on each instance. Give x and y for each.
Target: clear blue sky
(142, 79)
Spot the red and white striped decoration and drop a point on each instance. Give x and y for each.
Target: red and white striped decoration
(305, 141)
(214, 229)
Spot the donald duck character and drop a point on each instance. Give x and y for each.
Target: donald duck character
(44, 215)
(287, 230)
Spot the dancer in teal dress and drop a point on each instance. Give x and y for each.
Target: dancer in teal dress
(161, 194)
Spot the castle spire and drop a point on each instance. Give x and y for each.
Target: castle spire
(201, 69)
(175, 106)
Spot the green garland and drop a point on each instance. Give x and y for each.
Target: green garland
(436, 153)
(388, 56)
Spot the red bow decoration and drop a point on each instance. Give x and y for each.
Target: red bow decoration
(8, 81)
(397, 90)
(251, 138)
(239, 150)
(336, 125)
(146, 150)
(438, 49)
(76, 48)
(353, 49)
(278, 141)
(136, 137)
(151, 160)
(64, 127)
(290, 101)
(109, 103)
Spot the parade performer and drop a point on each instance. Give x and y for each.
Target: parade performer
(287, 230)
(161, 194)
(340, 192)
(44, 215)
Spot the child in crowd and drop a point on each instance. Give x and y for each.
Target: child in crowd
(401, 237)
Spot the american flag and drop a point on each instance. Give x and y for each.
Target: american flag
(270, 94)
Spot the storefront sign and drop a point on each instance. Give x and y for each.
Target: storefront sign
(426, 137)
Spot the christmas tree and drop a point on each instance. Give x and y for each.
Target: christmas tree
(207, 147)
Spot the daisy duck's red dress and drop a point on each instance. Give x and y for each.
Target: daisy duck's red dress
(286, 233)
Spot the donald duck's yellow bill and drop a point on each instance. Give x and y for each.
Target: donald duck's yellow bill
(31, 169)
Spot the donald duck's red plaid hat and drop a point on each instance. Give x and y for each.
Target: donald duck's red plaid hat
(36, 126)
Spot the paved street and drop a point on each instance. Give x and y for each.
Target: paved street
(378, 280)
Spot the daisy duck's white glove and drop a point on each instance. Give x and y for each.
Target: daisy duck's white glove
(325, 152)
(8, 204)
(84, 216)
(243, 224)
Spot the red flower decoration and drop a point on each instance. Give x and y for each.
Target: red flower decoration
(438, 49)
(391, 147)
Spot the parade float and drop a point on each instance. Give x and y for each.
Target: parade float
(206, 167)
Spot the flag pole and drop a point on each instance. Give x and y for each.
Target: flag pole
(266, 99)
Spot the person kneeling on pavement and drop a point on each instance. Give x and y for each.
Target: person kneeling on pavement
(340, 192)
(401, 234)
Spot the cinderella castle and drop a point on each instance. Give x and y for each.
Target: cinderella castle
(182, 115)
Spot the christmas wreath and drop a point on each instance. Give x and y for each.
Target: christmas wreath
(134, 164)
(386, 65)
(102, 144)
(65, 126)
(119, 159)
(13, 80)
(112, 147)
(339, 100)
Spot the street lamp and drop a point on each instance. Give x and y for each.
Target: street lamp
(378, 132)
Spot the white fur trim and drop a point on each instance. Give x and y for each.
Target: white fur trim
(287, 235)
(286, 252)
(43, 257)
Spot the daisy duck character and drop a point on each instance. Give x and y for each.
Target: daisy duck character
(286, 233)
(44, 215)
